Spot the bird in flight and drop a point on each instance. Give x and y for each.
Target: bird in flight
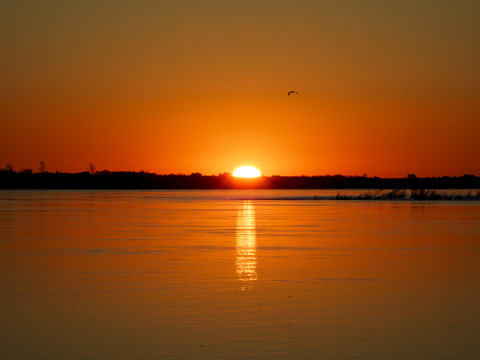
(292, 92)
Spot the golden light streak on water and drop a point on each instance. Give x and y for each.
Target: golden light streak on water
(246, 246)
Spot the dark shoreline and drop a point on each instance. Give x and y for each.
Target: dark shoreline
(105, 180)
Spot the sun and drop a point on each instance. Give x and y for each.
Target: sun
(247, 172)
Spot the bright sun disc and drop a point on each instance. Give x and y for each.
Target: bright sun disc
(246, 172)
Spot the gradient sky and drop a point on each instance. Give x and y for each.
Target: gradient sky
(386, 87)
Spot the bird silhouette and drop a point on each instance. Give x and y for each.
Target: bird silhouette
(292, 92)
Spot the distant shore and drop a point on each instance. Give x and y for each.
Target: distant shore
(142, 180)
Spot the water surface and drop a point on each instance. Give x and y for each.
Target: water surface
(236, 274)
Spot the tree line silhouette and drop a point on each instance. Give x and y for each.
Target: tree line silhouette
(27, 179)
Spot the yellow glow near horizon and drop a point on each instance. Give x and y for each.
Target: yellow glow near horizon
(246, 172)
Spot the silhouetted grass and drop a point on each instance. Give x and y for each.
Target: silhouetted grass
(415, 194)
(422, 194)
(376, 195)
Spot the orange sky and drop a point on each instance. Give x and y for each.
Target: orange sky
(386, 87)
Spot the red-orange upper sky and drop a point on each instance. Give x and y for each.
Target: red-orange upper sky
(385, 88)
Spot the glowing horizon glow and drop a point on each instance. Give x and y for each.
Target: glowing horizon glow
(200, 93)
(247, 172)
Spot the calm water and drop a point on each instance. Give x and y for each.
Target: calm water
(236, 274)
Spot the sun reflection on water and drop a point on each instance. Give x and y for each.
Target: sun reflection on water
(246, 246)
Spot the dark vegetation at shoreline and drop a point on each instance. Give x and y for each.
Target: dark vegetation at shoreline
(414, 194)
(10, 179)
